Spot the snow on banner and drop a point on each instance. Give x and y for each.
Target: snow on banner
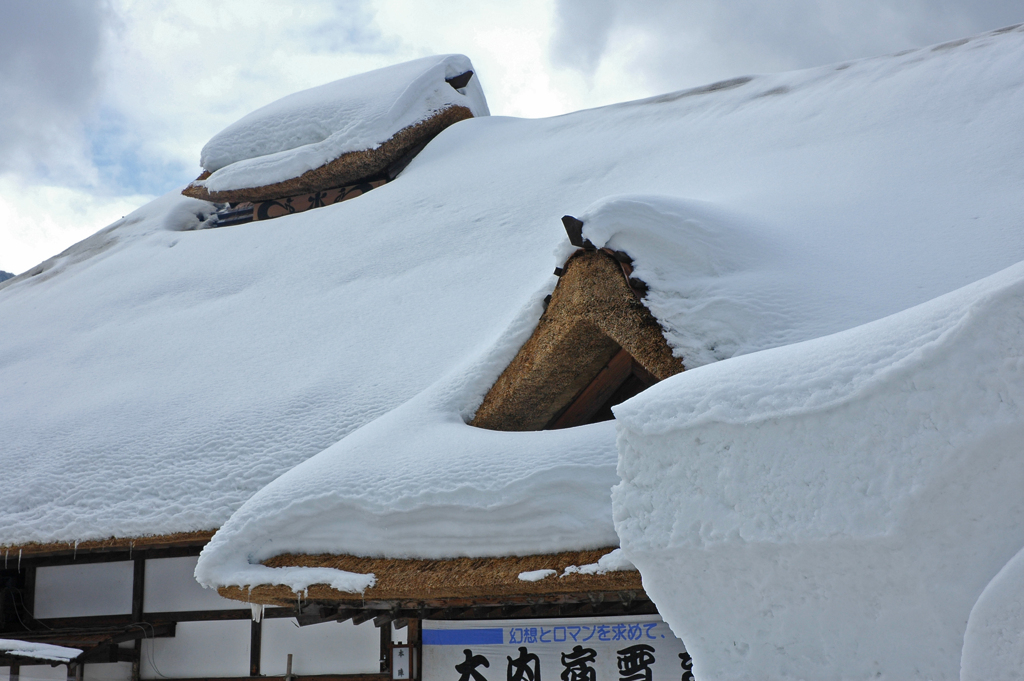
(580, 649)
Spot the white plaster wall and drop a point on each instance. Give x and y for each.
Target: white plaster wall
(325, 648)
(108, 671)
(86, 589)
(199, 649)
(171, 587)
(38, 672)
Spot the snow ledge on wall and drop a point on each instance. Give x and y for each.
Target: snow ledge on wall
(796, 511)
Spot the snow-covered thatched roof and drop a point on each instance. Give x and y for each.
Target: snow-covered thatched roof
(338, 133)
(305, 384)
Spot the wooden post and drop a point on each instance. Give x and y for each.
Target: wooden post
(137, 660)
(28, 591)
(138, 588)
(385, 648)
(288, 669)
(15, 671)
(415, 649)
(255, 645)
(138, 606)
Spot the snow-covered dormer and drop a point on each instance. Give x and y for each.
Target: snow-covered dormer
(336, 141)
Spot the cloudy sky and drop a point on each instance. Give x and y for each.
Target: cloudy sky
(105, 104)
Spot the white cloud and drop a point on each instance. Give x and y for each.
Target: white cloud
(48, 83)
(671, 44)
(40, 220)
(107, 101)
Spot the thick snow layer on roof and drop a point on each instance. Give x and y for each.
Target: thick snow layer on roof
(307, 129)
(994, 642)
(805, 217)
(38, 651)
(797, 510)
(160, 378)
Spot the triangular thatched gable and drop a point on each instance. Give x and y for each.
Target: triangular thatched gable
(595, 346)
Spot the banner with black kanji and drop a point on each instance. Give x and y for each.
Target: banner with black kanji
(638, 648)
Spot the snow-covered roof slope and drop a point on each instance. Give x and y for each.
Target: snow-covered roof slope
(797, 510)
(804, 217)
(38, 651)
(160, 382)
(307, 129)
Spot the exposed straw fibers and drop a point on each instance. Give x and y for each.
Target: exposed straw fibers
(177, 539)
(344, 170)
(421, 580)
(593, 312)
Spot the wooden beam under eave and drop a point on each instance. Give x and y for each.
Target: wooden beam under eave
(595, 395)
(364, 616)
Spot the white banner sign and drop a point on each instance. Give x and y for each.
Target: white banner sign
(640, 648)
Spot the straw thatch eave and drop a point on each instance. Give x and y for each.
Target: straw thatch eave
(594, 314)
(409, 583)
(111, 545)
(347, 169)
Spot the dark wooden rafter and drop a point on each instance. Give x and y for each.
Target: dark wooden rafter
(112, 653)
(315, 613)
(162, 617)
(593, 397)
(364, 616)
(400, 612)
(97, 635)
(622, 378)
(384, 619)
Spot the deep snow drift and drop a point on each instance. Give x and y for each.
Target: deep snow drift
(307, 129)
(161, 379)
(994, 642)
(834, 508)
